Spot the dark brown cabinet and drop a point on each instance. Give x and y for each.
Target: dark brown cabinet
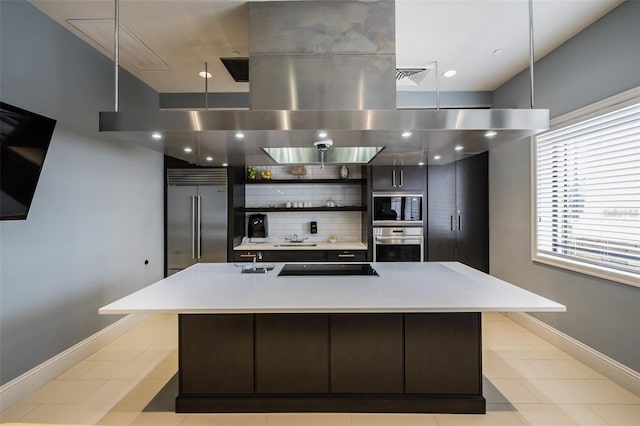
(300, 255)
(347, 256)
(458, 212)
(398, 178)
(292, 353)
(208, 367)
(367, 353)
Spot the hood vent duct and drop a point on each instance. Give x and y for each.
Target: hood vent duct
(322, 65)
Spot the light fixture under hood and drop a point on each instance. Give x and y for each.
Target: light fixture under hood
(337, 155)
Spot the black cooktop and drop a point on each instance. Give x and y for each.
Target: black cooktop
(324, 269)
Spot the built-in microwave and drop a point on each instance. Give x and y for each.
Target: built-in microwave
(397, 208)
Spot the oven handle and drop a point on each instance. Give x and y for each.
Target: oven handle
(399, 238)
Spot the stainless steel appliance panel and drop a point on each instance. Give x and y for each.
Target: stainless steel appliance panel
(397, 208)
(180, 230)
(398, 244)
(196, 217)
(212, 217)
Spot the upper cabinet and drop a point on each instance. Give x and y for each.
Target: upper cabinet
(398, 178)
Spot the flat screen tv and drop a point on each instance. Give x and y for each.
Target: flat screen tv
(25, 138)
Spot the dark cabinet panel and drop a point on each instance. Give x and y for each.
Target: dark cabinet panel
(472, 199)
(429, 367)
(458, 212)
(206, 366)
(441, 210)
(294, 256)
(292, 353)
(383, 178)
(347, 256)
(366, 353)
(398, 178)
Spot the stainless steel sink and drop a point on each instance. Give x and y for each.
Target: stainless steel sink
(257, 269)
(296, 245)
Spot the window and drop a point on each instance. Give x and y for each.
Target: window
(587, 193)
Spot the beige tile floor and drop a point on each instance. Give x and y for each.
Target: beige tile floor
(528, 382)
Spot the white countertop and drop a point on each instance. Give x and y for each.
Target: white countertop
(401, 287)
(354, 245)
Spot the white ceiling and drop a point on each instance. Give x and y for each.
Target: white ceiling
(458, 34)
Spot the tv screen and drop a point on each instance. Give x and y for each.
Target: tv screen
(25, 138)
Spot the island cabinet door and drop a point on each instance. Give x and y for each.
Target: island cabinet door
(443, 353)
(366, 353)
(292, 353)
(216, 353)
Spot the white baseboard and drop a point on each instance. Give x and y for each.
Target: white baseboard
(13, 391)
(608, 367)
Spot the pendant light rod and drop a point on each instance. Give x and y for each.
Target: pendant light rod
(116, 53)
(437, 87)
(533, 101)
(206, 86)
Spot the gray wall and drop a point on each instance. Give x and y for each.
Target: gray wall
(97, 213)
(599, 62)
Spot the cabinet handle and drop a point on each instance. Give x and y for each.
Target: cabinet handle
(401, 178)
(459, 223)
(346, 255)
(451, 221)
(247, 255)
(393, 178)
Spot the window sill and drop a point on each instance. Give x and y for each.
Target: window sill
(627, 278)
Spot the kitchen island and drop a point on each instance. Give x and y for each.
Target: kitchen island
(408, 340)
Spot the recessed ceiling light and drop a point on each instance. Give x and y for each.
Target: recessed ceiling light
(421, 163)
(209, 158)
(239, 135)
(204, 74)
(436, 157)
(322, 134)
(156, 135)
(225, 164)
(406, 134)
(459, 148)
(187, 149)
(449, 73)
(491, 133)
(498, 51)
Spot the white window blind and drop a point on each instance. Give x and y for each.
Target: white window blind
(588, 191)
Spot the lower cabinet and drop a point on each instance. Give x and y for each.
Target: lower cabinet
(301, 256)
(292, 353)
(208, 367)
(331, 353)
(360, 362)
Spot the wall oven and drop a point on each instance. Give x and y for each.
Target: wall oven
(397, 208)
(398, 244)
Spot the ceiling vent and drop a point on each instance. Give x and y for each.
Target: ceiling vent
(132, 50)
(238, 68)
(410, 76)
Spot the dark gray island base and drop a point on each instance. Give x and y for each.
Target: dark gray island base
(330, 362)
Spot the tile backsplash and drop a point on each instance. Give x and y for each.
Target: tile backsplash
(346, 226)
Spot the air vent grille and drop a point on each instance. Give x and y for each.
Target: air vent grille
(203, 176)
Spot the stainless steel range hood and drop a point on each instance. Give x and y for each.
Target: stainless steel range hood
(330, 66)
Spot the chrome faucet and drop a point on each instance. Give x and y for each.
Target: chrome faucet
(295, 239)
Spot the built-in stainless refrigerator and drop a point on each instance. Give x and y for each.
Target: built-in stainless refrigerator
(196, 217)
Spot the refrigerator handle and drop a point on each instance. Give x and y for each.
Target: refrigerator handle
(198, 223)
(194, 233)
